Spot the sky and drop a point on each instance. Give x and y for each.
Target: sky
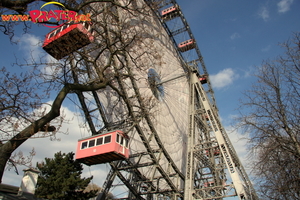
(234, 36)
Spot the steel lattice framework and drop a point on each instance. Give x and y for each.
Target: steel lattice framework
(179, 148)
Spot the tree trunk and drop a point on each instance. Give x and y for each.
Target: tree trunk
(9, 147)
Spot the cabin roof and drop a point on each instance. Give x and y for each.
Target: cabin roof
(104, 133)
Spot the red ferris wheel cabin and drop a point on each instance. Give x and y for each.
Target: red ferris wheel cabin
(203, 79)
(103, 148)
(68, 38)
(170, 12)
(186, 45)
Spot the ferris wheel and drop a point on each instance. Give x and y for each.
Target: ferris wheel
(156, 123)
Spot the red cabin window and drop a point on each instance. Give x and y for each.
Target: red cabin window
(91, 143)
(103, 148)
(64, 27)
(107, 139)
(87, 26)
(51, 35)
(122, 141)
(118, 138)
(99, 141)
(84, 145)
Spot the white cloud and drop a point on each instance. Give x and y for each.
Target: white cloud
(235, 36)
(32, 46)
(248, 72)
(239, 142)
(284, 5)
(266, 49)
(264, 13)
(223, 78)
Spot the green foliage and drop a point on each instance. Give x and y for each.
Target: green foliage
(60, 179)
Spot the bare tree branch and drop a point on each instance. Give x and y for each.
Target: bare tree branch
(271, 115)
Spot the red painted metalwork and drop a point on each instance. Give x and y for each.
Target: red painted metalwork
(103, 148)
(68, 38)
(216, 151)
